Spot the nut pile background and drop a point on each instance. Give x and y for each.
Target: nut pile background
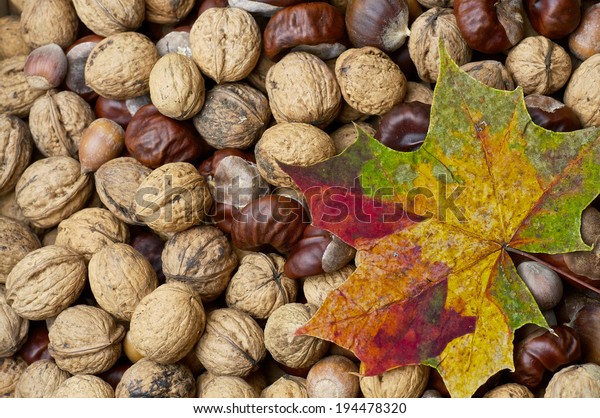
(142, 203)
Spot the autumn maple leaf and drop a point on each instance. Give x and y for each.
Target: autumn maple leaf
(434, 283)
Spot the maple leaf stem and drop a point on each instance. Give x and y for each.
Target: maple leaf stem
(553, 267)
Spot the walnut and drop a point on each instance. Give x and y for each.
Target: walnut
(52, 189)
(259, 286)
(12, 43)
(539, 65)
(57, 121)
(296, 351)
(149, 379)
(120, 277)
(84, 386)
(257, 380)
(346, 135)
(201, 257)
(13, 328)
(15, 141)
(11, 369)
(509, 390)
(423, 42)
(585, 101)
(258, 76)
(491, 73)
(316, 288)
(167, 323)
(16, 95)
(16, 241)
(45, 282)
(402, 382)
(176, 86)
(286, 387)
(226, 43)
(117, 182)
(94, 348)
(369, 80)
(213, 386)
(167, 11)
(234, 116)
(108, 17)
(578, 381)
(173, 198)
(40, 379)
(232, 343)
(301, 88)
(10, 209)
(418, 92)
(49, 22)
(119, 66)
(291, 143)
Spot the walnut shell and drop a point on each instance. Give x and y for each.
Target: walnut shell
(539, 65)
(119, 66)
(117, 182)
(16, 95)
(201, 257)
(226, 43)
(40, 379)
(16, 241)
(509, 390)
(317, 287)
(16, 146)
(232, 343)
(173, 198)
(259, 285)
(423, 42)
(176, 86)
(84, 386)
(94, 348)
(402, 382)
(585, 101)
(213, 386)
(369, 80)
(167, 11)
(120, 277)
(11, 369)
(578, 381)
(234, 116)
(57, 121)
(491, 73)
(149, 379)
(108, 17)
(296, 351)
(286, 387)
(294, 144)
(167, 323)
(417, 92)
(49, 22)
(13, 329)
(346, 135)
(301, 88)
(10, 209)
(45, 282)
(12, 43)
(52, 189)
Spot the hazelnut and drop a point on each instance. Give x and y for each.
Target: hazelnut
(509, 390)
(149, 379)
(102, 141)
(40, 380)
(551, 114)
(543, 283)
(164, 11)
(585, 40)
(110, 16)
(490, 26)
(587, 324)
(77, 55)
(317, 28)
(333, 377)
(317, 287)
(214, 386)
(578, 381)
(491, 73)
(346, 135)
(379, 23)
(11, 370)
(580, 97)
(225, 43)
(16, 95)
(13, 43)
(16, 241)
(402, 382)
(51, 21)
(553, 19)
(84, 386)
(405, 126)
(46, 67)
(176, 41)
(15, 140)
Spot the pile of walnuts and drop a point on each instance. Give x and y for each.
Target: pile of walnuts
(152, 246)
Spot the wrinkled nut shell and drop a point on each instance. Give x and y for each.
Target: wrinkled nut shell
(317, 287)
(16, 241)
(45, 282)
(40, 380)
(16, 95)
(149, 379)
(119, 66)
(84, 386)
(47, 22)
(578, 381)
(13, 329)
(226, 43)
(110, 16)
(580, 97)
(286, 387)
(491, 73)
(12, 43)
(167, 323)
(16, 146)
(11, 370)
(212, 386)
(402, 382)
(509, 390)
(160, 11)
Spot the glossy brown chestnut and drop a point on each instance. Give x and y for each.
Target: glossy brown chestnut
(306, 25)
(551, 114)
(587, 325)
(401, 57)
(542, 351)
(209, 4)
(150, 246)
(113, 375)
(269, 222)
(405, 126)
(223, 215)
(208, 166)
(115, 110)
(154, 139)
(36, 345)
(554, 19)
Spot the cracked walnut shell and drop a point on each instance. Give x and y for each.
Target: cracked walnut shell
(16, 146)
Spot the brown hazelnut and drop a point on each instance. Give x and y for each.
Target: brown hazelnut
(585, 40)
(490, 26)
(110, 16)
(379, 23)
(491, 73)
(149, 379)
(543, 283)
(553, 19)
(52, 21)
(15, 140)
(16, 95)
(77, 55)
(165, 11)
(46, 67)
(101, 141)
(333, 377)
(405, 126)
(551, 114)
(402, 382)
(587, 324)
(13, 43)
(578, 381)
(580, 97)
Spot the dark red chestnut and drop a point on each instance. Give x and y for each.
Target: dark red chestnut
(405, 126)
(551, 114)
(36, 345)
(115, 110)
(587, 324)
(113, 375)
(553, 19)
(209, 4)
(150, 246)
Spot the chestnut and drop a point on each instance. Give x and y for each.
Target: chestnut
(77, 55)
(585, 40)
(404, 128)
(150, 246)
(490, 26)
(317, 28)
(100, 142)
(113, 375)
(36, 345)
(209, 4)
(379, 23)
(115, 110)
(553, 19)
(551, 114)
(543, 283)
(587, 324)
